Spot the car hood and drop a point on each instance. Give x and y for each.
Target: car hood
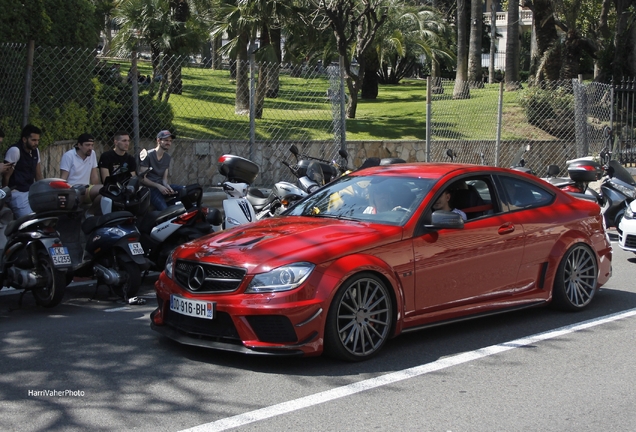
(270, 243)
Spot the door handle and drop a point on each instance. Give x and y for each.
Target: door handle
(506, 228)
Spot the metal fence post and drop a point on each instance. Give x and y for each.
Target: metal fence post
(252, 99)
(343, 119)
(27, 83)
(428, 118)
(135, 103)
(499, 117)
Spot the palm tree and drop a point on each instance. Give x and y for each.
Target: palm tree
(474, 45)
(415, 32)
(243, 20)
(461, 90)
(171, 28)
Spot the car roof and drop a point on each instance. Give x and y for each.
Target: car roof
(426, 169)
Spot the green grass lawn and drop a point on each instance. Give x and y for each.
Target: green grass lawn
(302, 110)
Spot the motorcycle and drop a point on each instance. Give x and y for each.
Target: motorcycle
(112, 252)
(161, 231)
(34, 258)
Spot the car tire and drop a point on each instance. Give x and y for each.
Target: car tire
(575, 282)
(360, 319)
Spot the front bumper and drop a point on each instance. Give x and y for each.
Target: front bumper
(274, 324)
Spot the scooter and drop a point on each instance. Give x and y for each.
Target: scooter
(161, 231)
(34, 258)
(112, 252)
(239, 174)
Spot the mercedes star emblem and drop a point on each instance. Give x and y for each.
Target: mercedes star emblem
(197, 277)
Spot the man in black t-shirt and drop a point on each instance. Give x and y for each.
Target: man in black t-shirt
(117, 160)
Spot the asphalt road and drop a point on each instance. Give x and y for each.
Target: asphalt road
(92, 363)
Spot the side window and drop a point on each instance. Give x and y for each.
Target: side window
(473, 196)
(523, 194)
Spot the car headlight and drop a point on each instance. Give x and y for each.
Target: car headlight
(282, 278)
(629, 212)
(169, 265)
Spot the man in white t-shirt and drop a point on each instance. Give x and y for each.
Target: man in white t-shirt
(79, 167)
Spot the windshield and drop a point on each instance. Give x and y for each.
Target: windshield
(381, 199)
(621, 173)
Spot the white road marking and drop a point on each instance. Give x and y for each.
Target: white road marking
(118, 309)
(339, 392)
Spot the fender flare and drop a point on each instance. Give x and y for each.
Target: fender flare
(341, 269)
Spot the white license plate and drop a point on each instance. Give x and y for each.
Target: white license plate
(193, 308)
(60, 256)
(136, 248)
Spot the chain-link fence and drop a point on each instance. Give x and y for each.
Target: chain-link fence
(255, 110)
(259, 110)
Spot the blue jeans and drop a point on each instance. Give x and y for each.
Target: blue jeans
(158, 200)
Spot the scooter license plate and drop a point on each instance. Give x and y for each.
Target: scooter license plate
(60, 256)
(136, 248)
(193, 308)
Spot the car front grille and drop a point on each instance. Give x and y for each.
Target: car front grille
(199, 277)
(630, 241)
(220, 329)
(273, 328)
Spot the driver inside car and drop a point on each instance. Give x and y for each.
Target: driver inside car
(388, 197)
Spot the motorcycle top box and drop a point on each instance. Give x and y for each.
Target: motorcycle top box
(238, 169)
(52, 194)
(585, 171)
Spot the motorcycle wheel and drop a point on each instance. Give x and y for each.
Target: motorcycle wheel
(51, 294)
(131, 279)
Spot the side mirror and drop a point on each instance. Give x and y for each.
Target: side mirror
(343, 154)
(446, 219)
(143, 154)
(294, 150)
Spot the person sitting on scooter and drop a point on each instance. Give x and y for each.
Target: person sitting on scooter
(79, 167)
(157, 179)
(118, 160)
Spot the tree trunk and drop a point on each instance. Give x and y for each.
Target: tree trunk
(474, 46)
(512, 47)
(370, 83)
(461, 91)
(623, 42)
(493, 40)
(242, 102)
(273, 78)
(436, 77)
(548, 66)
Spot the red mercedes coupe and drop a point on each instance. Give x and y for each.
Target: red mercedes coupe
(383, 251)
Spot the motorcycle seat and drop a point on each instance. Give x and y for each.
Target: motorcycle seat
(13, 226)
(92, 223)
(257, 198)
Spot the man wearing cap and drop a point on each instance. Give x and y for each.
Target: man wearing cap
(25, 157)
(157, 179)
(79, 167)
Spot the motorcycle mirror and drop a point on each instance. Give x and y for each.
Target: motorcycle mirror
(451, 154)
(553, 170)
(343, 154)
(143, 154)
(294, 150)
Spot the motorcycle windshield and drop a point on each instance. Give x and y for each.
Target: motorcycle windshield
(314, 172)
(621, 173)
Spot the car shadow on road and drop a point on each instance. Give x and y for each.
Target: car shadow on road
(422, 346)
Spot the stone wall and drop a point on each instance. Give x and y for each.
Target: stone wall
(196, 161)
